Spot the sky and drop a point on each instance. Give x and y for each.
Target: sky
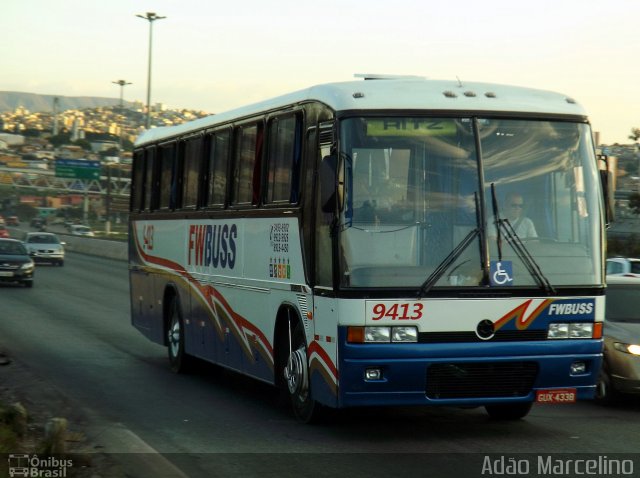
(217, 55)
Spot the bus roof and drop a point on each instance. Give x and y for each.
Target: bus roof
(402, 93)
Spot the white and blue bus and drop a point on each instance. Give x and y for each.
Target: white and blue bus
(382, 242)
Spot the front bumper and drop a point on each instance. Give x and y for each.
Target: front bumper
(464, 374)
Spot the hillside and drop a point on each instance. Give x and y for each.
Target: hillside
(10, 100)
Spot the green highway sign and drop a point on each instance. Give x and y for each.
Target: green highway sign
(77, 169)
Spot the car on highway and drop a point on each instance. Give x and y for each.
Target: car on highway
(623, 266)
(620, 373)
(80, 230)
(4, 232)
(38, 223)
(15, 263)
(45, 247)
(12, 221)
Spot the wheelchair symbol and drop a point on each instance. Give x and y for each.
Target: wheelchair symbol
(501, 273)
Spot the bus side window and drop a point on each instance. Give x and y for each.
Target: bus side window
(137, 188)
(217, 166)
(246, 177)
(283, 160)
(167, 184)
(151, 181)
(191, 171)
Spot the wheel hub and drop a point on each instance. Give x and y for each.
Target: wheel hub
(295, 373)
(174, 338)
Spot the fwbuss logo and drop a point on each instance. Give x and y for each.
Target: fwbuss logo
(212, 245)
(575, 308)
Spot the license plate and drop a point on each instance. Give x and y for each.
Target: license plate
(6, 274)
(564, 395)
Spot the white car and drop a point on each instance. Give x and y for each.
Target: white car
(623, 266)
(79, 230)
(45, 247)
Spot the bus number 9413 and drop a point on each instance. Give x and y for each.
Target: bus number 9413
(395, 310)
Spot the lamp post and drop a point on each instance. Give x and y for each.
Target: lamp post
(150, 17)
(122, 84)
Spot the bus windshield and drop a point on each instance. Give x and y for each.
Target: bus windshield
(468, 202)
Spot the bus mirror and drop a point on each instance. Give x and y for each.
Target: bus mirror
(328, 182)
(605, 179)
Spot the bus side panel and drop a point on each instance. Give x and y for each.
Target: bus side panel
(323, 351)
(142, 283)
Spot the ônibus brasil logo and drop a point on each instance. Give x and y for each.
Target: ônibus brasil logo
(29, 466)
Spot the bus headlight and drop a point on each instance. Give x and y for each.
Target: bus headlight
(377, 334)
(404, 334)
(571, 330)
(382, 334)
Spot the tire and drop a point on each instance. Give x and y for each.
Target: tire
(605, 393)
(509, 411)
(28, 284)
(61, 263)
(178, 359)
(297, 386)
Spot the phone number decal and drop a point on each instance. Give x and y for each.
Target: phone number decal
(394, 310)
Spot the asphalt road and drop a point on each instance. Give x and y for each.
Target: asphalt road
(73, 328)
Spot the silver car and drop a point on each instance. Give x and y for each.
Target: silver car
(623, 266)
(621, 367)
(45, 247)
(80, 230)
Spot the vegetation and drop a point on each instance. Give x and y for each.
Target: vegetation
(624, 246)
(634, 202)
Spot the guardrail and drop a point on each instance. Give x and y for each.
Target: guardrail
(95, 247)
(83, 245)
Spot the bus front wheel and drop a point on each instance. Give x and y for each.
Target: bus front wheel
(296, 378)
(178, 359)
(508, 411)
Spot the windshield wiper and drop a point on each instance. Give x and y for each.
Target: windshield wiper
(518, 246)
(451, 258)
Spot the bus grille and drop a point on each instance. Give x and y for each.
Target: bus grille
(480, 380)
(500, 336)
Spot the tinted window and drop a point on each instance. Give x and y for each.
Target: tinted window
(151, 192)
(623, 302)
(283, 160)
(218, 161)
(167, 186)
(137, 190)
(614, 267)
(191, 171)
(248, 149)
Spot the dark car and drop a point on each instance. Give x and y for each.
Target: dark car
(620, 372)
(38, 223)
(15, 263)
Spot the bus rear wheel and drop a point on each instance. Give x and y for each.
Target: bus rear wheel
(296, 379)
(178, 359)
(509, 411)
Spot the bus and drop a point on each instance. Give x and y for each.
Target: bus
(359, 244)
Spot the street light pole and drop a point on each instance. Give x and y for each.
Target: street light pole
(122, 84)
(150, 17)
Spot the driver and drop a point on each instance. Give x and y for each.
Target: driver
(514, 212)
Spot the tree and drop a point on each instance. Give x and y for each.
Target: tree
(635, 134)
(634, 202)
(60, 139)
